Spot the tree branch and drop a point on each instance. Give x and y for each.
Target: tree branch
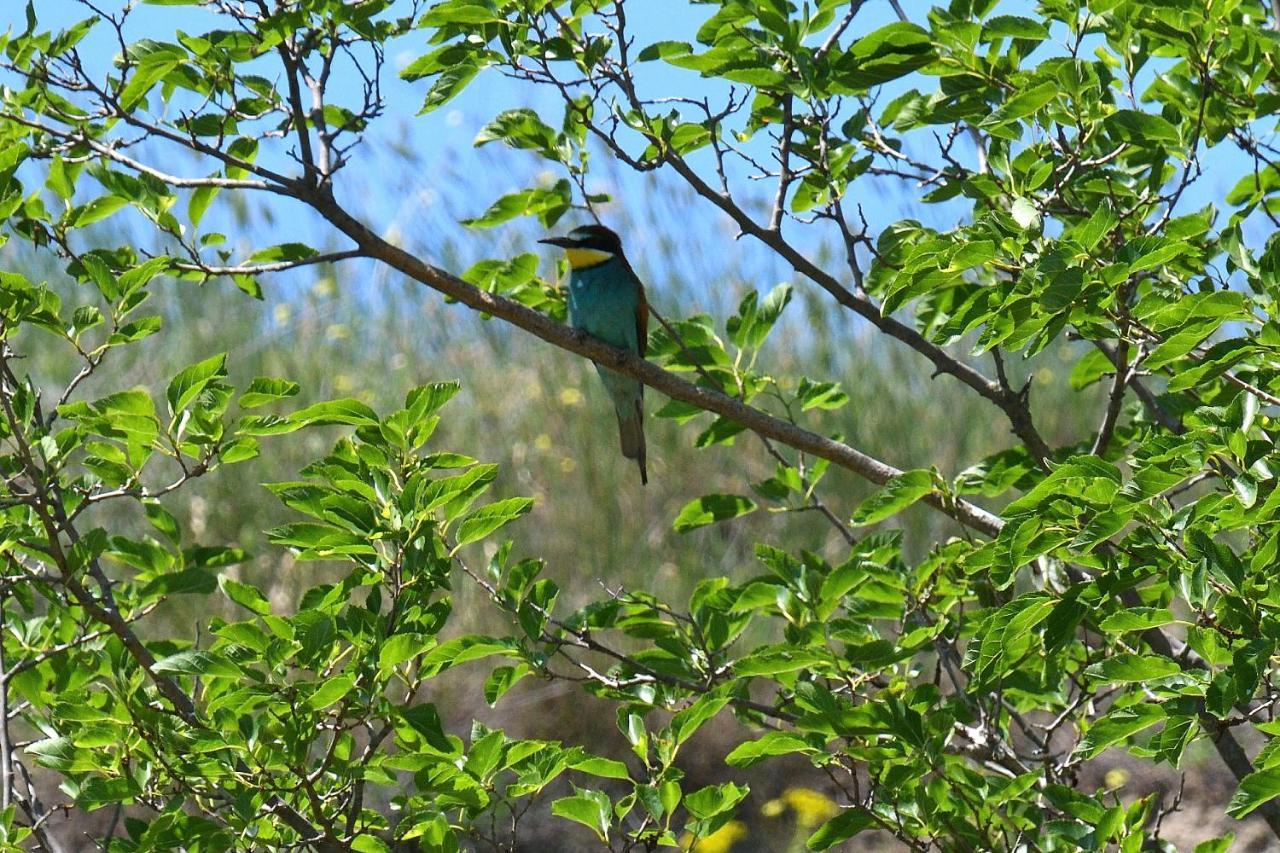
(277, 266)
(626, 363)
(1012, 405)
(1115, 400)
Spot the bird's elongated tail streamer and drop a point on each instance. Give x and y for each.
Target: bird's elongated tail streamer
(631, 433)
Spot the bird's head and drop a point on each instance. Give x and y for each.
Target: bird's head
(588, 245)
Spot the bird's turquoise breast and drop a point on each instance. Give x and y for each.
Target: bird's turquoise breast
(603, 301)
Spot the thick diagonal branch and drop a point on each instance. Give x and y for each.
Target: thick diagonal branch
(650, 374)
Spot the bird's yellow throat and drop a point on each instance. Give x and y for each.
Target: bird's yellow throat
(580, 259)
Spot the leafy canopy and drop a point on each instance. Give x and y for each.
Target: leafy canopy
(1120, 599)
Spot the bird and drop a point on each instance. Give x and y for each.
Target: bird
(606, 300)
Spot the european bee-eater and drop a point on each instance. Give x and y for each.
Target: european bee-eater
(606, 300)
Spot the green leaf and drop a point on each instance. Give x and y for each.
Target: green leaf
(1089, 368)
(199, 202)
(521, 128)
(264, 390)
(1013, 26)
(1022, 104)
(460, 650)
(56, 753)
(772, 744)
(1116, 726)
(330, 691)
(1007, 635)
(503, 276)
(239, 450)
(886, 54)
(820, 395)
(1141, 128)
(345, 411)
(447, 86)
(135, 331)
(147, 72)
(840, 828)
(767, 315)
(206, 664)
(96, 211)
(706, 803)
(400, 648)
(1137, 619)
(426, 400)
(161, 519)
(605, 768)
(245, 595)
(1255, 790)
(548, 205)
(900, 492)
(663, 50)
(686, 722)
(282, 252)
(1024, 213)
(709, 509)
(365, 843)
(487, 519)
(1089, 233)
(592, 809)
(460, 12)
(188, 384)
(425, 720)
(502, 679)
(1126, 667)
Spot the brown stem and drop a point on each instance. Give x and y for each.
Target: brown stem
(6, 745)
(1115, 401)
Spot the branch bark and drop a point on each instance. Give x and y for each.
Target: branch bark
(650, 374)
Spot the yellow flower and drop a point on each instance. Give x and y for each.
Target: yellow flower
(720, 841)
(811, 808)
(570, 397)
(1116, 777)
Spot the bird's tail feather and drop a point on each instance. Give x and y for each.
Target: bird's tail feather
(631, 432)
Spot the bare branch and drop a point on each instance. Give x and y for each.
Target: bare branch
(784, 164)
(1115, 400)
(277, 266)
(6, 745)
(78, 136)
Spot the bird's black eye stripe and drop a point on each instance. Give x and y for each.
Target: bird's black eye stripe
(597, 237)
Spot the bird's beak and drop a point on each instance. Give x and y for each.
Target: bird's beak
(562, 242)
